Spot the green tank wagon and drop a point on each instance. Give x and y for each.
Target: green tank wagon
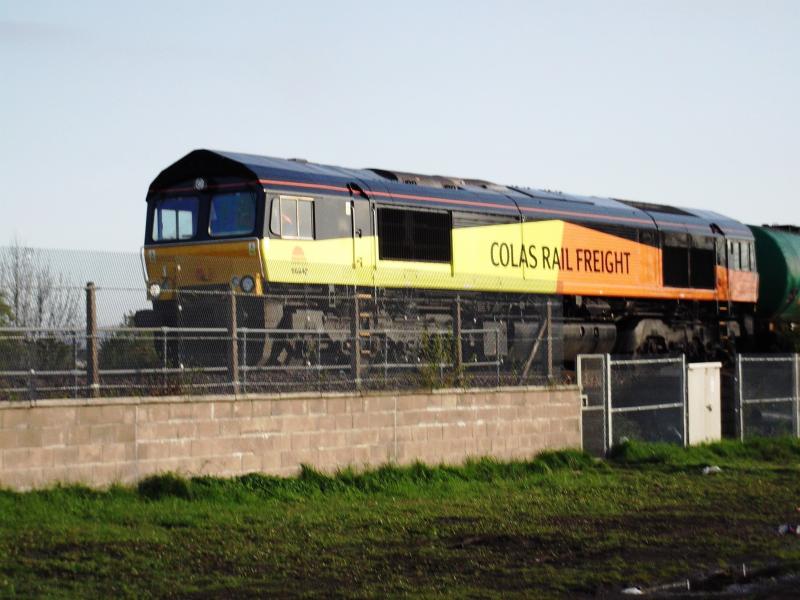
(778, 259)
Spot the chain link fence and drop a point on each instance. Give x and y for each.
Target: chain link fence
(60, 337)
(648, 400)
(96, 360)
(768, 395)
(640, 399)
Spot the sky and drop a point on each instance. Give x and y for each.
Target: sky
(689, 103)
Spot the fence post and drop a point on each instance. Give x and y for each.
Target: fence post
(739, 396)
(385, 357)
(797, 395)
(609, 416)
(319, 360)
(497, 354)
(605, 403)
(233, 344)
(75, 362)
(457, 349)
(92, 356)
(32, 385)
(179, 320)
(685, 391)
(244, 361)
(549, 341)
(164, 355)
(356, 332)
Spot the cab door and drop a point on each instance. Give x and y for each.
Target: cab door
(362, 223)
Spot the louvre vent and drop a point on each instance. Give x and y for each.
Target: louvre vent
(414, 235)
(662, 208)
(434, 181)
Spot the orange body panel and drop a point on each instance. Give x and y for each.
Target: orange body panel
(617, 267)
(743, 286)
(601, 264)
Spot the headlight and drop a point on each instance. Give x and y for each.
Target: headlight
(247, 284)
(155, 290)
(234, 281)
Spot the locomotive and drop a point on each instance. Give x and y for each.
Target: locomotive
(291, 236)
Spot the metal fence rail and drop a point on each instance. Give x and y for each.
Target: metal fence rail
(193, 360)
(768, 395)
(308, 327)
(47, 362)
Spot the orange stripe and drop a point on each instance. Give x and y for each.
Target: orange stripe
(570, 288)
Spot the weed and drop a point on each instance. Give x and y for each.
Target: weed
(168, 485)
(777, 450)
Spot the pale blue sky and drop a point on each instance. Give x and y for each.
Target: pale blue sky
(693, 103)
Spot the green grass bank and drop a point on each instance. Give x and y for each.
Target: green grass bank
(562, 525)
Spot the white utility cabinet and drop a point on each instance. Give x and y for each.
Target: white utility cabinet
(703, 399)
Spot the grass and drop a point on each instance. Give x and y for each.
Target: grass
(562, 525)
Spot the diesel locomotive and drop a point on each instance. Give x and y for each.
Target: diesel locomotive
(622, 276)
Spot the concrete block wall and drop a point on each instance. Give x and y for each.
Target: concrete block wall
(102, 441)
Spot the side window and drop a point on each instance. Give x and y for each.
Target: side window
(305, 219)
(292, 217)
(702, 267)
(275, 217)
(733, 257)
(675, 259)
(288, 218)
(332, 218)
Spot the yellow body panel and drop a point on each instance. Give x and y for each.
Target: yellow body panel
(335, 261)
(498, 257)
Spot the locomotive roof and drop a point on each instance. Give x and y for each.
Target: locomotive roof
(442, 192)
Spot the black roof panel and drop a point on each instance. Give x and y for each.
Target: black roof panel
(466, 194)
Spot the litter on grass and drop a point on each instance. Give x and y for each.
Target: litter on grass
(711, 469)
(633, 591)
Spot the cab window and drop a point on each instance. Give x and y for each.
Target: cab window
(175, 218)
(292, 217)
(232, 213)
